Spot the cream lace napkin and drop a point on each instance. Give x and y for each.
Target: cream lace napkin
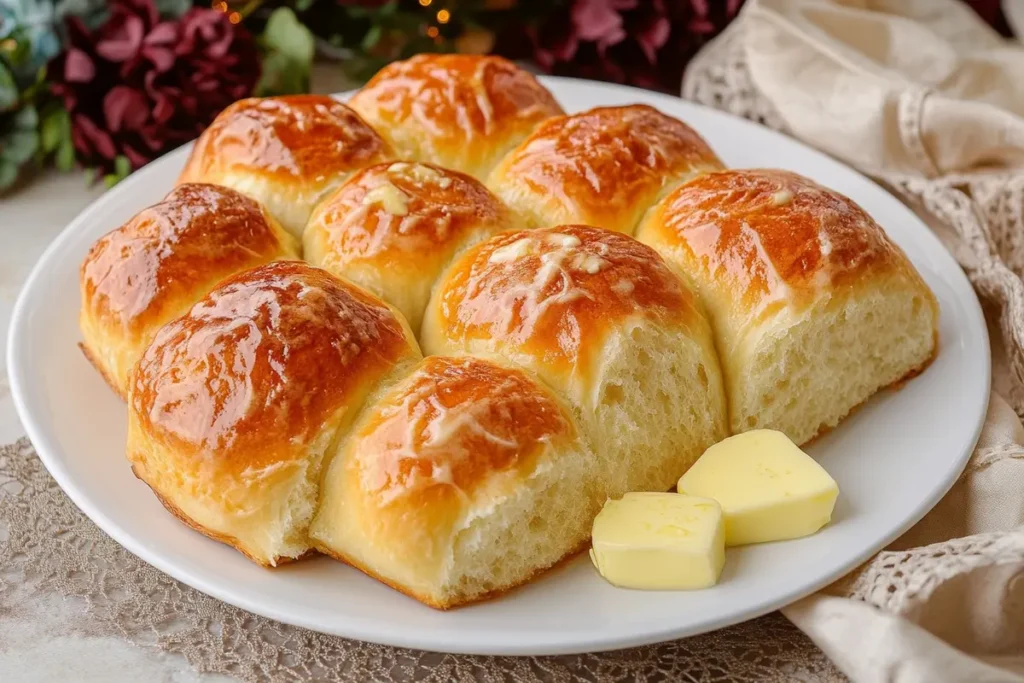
(927, 99)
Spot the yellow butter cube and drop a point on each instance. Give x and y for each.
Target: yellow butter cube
(768, 488)
(659, 541)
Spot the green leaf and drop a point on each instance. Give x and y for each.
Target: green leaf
(8, 89)
(56, 128)
(110, 180)
(372, 37)
(19, 138)
(65, 158)
(8, 174)
(288, 55)
(387, 10)
(303, 5)
(172, 9)
(122, 167)
(287, 35)
(90, 175)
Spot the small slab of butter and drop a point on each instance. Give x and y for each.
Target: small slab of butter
(659, 541)
(768, 488)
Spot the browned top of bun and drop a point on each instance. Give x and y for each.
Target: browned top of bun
(453, 425)
(607, 160)
(768, 234)
(297, 136)
(258, 366)
(196, 234)
(456, 96)
(554, 292)
(396, 215)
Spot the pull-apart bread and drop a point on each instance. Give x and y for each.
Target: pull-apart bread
(453, 210)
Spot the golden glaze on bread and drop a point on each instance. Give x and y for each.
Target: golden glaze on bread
(234, 404)
(603, 320)
(459, 111)
(770, 236)
(796, 279)
(553, 294)
(393, 227)
(452, 448)
(285, 152)
(155, 266)
(602, 167)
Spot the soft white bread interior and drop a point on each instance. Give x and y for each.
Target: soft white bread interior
(462, 112)
(154, 267)
(285, 152)
(235, 406)
(604, 321)
(464, 480)
(603, 167)
(392, 228)
(814, 308)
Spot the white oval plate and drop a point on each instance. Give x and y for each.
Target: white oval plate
(893, 459)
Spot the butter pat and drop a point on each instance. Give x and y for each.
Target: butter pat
(768, 488)
(659, 541)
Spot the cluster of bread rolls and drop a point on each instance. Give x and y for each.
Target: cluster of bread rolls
(506, 315)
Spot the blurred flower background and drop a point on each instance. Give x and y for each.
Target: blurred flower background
(108, 86)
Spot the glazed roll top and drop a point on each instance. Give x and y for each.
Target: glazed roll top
(466, 478)
(459, 111)
(393, 227)
(814, 308)
(285, 152)
(604, 321)
(154, 267)
(235, 405)
(603, 167)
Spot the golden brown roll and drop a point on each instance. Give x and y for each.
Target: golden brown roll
(601, 319)
(814, 309)
(285, 152)
(603, 167)
(235, 405)
(155, 266)
(393, 227)
(458, 111)
(464, 480)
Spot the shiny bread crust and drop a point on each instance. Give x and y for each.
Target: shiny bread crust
(603, 167)
(460, 111)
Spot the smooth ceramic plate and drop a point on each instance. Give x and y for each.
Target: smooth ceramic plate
(893, 459)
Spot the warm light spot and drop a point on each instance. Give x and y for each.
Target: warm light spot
(432, 32)
(234, 17)
(443, 16)
(426, 3)
(8, 45)
(220, 6)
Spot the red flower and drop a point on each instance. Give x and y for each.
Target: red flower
(641, 42)
(139, 87)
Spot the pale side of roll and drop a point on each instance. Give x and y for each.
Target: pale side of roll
(814, 308)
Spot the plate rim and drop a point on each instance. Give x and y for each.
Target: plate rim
(354, 628)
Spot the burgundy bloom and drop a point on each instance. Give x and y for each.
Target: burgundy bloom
(641, 42)
(139, 87)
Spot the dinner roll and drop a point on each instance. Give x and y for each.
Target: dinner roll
(155, 266)
(285, 152)
(393, 227)
(464, 480)
(603, 167)
(235, 405)
(459, 111)
(814, 309)
(601, 319)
